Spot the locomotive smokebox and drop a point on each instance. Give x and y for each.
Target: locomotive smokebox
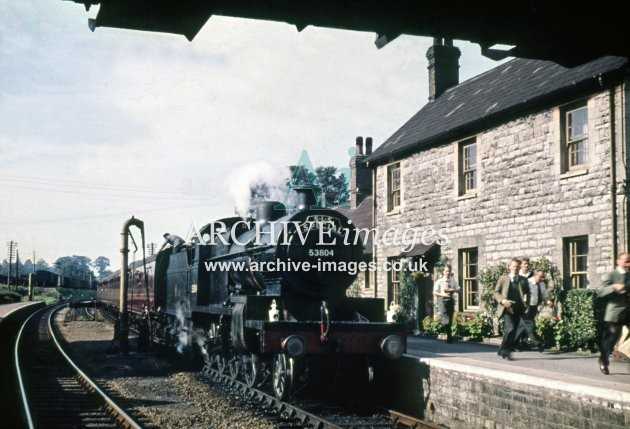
(268, 211)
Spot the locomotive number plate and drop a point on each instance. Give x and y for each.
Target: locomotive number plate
(321, 252)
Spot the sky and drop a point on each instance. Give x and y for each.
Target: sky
(98, 127)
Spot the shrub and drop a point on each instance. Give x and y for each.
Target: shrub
(560, 333)
(488, 277)
(545, 328)
(480, 326)
(581, 312)
(460, 326)
(431, 325)
(407, 305)
(477, 326)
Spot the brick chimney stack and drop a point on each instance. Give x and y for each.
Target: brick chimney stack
(443, 66)
(361, 180)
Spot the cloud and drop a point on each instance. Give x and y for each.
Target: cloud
(100, 126)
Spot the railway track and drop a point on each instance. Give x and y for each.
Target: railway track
(315, 414)
(55, 392)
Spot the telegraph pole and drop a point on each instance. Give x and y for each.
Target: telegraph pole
(17, 269)
(151, 248)
(12, 247)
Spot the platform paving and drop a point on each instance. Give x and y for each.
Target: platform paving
(577, 372)
(8, 308)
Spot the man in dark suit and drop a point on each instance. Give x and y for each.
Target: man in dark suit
(614, 290)
(512, 294)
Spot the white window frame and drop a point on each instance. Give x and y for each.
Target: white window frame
(394, 186)
(467, 180)
(576, 144)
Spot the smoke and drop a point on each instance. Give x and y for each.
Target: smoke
(180, 329)
(258, 176)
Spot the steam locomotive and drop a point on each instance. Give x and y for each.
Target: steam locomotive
(264, 300)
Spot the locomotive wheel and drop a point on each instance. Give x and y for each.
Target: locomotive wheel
(283, 376)
(221, 364)
(235, 365)
(252, 371)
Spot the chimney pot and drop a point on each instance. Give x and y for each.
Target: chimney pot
(359, 146)
(368, 145)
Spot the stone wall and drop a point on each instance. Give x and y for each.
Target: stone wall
(458, 396)
(463, 399)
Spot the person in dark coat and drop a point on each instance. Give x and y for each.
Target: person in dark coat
(614, 290)
(512, 295)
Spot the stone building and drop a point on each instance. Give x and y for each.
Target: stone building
(527, 159)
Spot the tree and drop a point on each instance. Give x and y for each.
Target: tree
(76, 267)
(302, 176)
(27, 267)
(324, 180)
(102, 266)
(333, 185)
(42, 265)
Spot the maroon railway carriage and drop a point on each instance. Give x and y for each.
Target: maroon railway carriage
(139, 294)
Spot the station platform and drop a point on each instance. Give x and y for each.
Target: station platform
(551, 366)
(467, 385)
(5, 309)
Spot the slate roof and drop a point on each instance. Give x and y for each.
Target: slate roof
(516, 87)
(361, 217)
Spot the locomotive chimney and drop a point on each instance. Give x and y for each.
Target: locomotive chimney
(305, 198)
(268, 211)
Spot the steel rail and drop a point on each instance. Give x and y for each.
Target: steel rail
(26, 409)
(409, 421)
(293, 411)
(120, 416)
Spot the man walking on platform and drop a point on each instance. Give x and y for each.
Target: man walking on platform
(615, 290)
(444, 288)
(512, 295)
(537, 295)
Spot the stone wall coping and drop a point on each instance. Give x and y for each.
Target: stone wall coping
(614, 396)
